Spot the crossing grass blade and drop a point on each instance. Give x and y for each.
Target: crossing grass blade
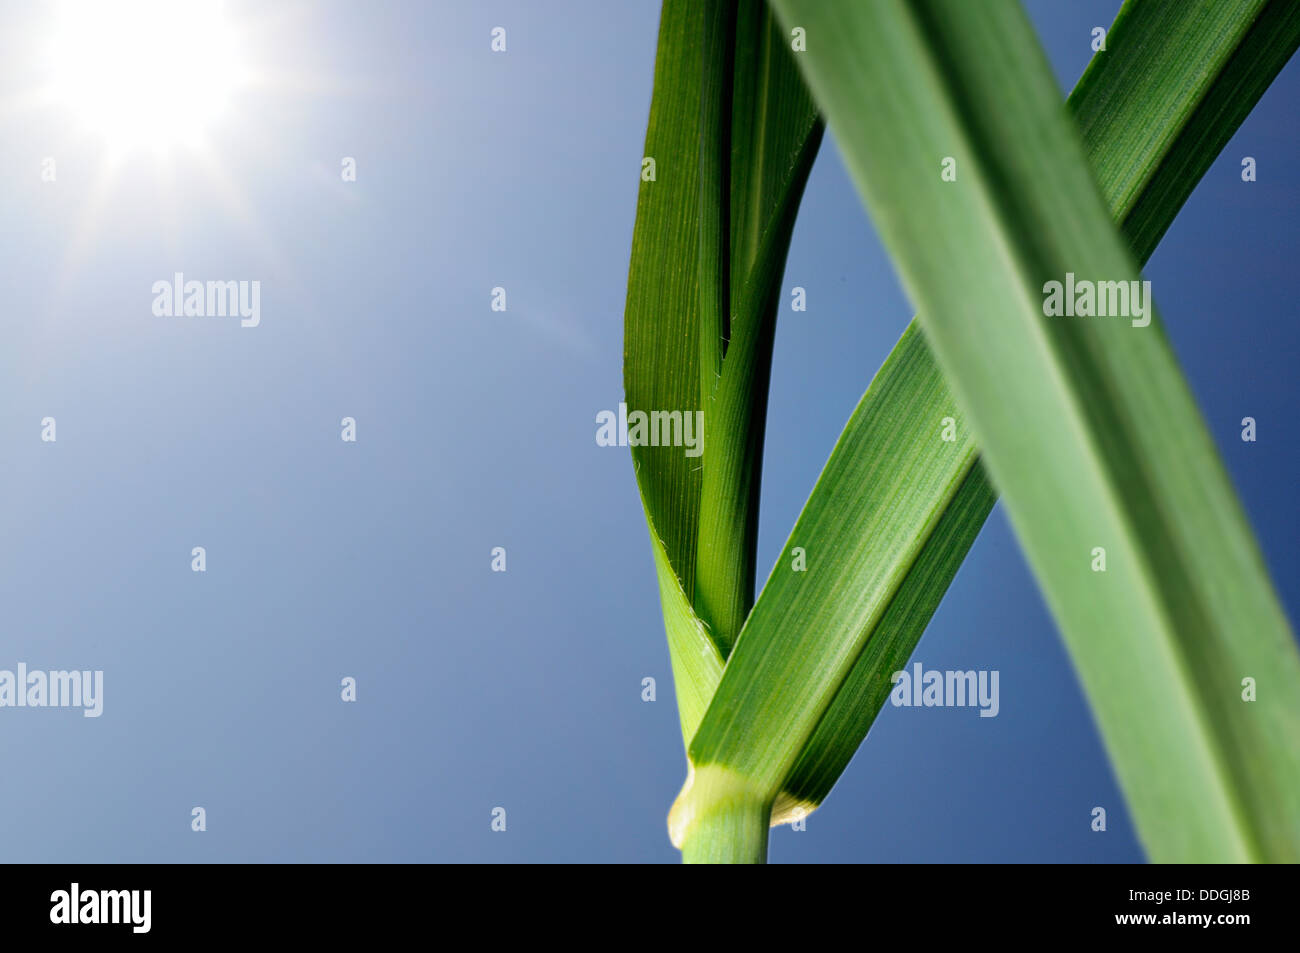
(1153, 112)
(1086, 425)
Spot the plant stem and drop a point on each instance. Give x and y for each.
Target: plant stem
(720, 818)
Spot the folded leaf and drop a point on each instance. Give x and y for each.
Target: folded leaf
(701, 307)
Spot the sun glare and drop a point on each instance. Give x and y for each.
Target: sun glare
(146, 74)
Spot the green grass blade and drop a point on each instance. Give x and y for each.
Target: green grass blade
(661, 330)
(690, 341)
(774, 136)
(1177, 81)
(661, 340)
(697, 665)
(887, 645)
(1153, 111)
(1086, 425)
(893, 513)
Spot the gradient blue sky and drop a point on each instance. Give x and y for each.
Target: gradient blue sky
(475, 430)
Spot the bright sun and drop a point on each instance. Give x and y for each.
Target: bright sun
(146, 74)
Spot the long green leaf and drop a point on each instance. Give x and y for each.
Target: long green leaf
(1086, 425)
(701, 308)
(661, 330)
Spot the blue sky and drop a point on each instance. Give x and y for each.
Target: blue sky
(475, 429)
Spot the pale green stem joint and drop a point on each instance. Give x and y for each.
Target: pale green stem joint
(720, 817)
